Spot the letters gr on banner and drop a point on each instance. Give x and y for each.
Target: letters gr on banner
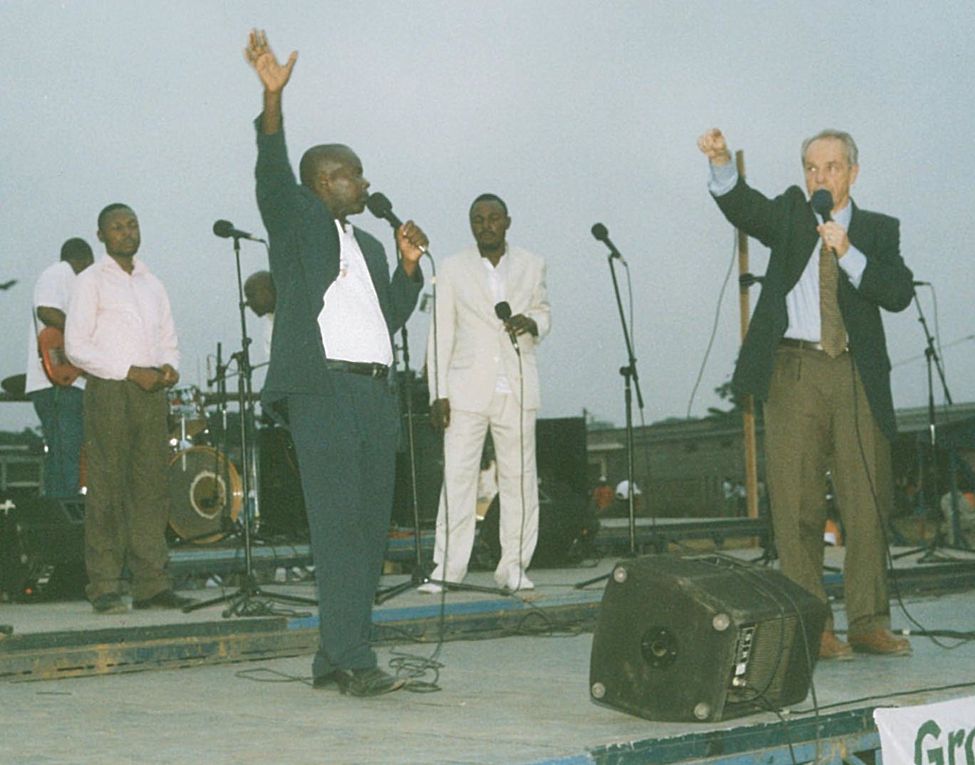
(931, 734)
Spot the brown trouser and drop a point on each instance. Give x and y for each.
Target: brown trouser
(127, 506)
(816, 419)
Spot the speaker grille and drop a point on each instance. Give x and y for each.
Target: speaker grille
(702, 638)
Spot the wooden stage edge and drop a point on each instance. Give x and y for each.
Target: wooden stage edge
(73, 643)
(62, 647)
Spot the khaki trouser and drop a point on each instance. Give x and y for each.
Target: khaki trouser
(127, 506)
(816, 419)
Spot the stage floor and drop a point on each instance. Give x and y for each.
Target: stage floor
(522, 698)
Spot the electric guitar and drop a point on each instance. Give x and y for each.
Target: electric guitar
(50, 347)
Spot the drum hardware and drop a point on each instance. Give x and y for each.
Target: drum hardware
(206, 495)
(187, 418)
(250, 599)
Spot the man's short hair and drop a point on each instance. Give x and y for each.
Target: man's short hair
(76, 249)
(111, 208)
(852, 154)
(312, 160)
(488, 197)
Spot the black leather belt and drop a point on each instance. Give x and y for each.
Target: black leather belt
(379, 371)
(806, 345)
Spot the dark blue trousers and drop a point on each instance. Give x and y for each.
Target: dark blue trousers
(60, 411)
(346, 445)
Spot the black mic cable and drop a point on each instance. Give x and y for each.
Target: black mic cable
(503, 311)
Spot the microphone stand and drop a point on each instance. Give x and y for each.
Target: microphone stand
(630, 380)
(420, 574)
(932, 361)
(250, 599)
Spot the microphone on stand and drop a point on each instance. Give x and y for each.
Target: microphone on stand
(746, 280)
(225, 230)
(602, 234)
(503, 311)
(921, 284)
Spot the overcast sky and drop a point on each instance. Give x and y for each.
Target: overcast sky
(574, 112)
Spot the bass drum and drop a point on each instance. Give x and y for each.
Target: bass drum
(205, 494)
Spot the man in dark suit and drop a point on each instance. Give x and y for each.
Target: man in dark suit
(331, 357)
(816, 353)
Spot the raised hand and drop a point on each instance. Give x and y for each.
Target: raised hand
(258, 53)
(713, 145)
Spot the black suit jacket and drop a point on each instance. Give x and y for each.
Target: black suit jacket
(787, 226)
(304, 259)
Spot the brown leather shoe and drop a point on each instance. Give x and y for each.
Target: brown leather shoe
(880, 641)
(831, 647)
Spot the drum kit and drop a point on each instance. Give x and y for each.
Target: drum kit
(205, 489)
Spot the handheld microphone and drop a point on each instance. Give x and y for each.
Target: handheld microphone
(822, 203)
(602, 234)
(7, 285)
(380, 206)
(503, 311)
(225, 230)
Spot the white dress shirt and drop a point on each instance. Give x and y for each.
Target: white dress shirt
(52, 290)
(118, 320)
(352, 324)
(497, 276)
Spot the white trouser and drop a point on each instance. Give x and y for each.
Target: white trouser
(513, 433)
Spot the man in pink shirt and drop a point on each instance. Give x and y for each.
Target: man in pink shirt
(120, 331)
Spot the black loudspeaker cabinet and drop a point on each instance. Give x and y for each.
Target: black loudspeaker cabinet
(42, 546)
(429, 474)
(702, 638)
(560, 449)
(282, 501)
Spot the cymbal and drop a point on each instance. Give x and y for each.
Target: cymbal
(13, 387)
(214, 398)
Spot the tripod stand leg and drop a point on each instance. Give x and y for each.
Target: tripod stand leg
(587, 582)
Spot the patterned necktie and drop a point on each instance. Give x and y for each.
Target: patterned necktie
(831, 327)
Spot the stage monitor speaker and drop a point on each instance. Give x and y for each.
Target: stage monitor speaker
(42, 546)
(282, 501)
(560, 449)
(429, 474)
(702, 638)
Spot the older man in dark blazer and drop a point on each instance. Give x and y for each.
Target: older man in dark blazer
(816, 352)
(331, 361)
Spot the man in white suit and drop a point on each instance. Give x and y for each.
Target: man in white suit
(491, 311)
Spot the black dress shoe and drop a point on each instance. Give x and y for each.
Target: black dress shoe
(324, 681)
(164, 599)
(360, 682)
(109, 603)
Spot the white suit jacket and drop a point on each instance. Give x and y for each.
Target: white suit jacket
(472, 346)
